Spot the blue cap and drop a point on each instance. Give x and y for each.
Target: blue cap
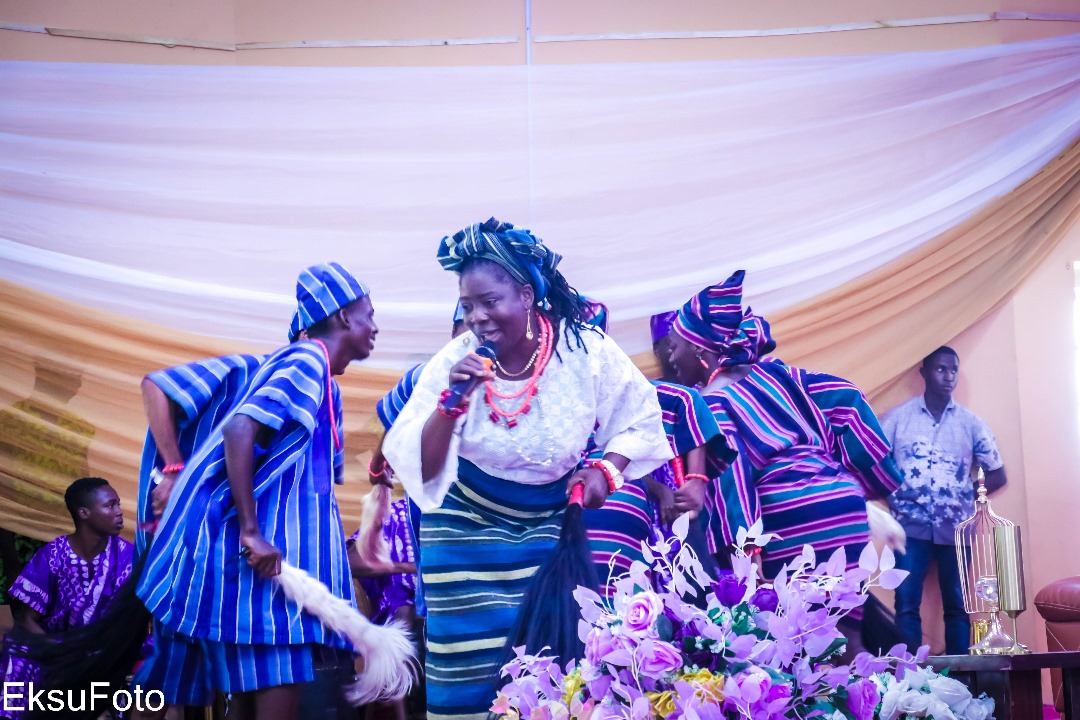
(322, 290)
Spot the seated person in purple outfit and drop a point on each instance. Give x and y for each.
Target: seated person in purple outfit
(69, 582)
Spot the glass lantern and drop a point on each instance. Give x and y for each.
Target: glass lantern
(991, 575)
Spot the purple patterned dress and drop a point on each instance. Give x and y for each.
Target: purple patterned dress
(390, 592)
(68, 592)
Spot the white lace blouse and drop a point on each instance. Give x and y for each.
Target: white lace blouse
(598, 389)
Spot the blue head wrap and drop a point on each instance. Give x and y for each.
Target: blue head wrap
(517, 251)
(714, 319)
(322, 290)
(660, 325)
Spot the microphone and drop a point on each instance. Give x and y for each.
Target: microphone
(461, 388)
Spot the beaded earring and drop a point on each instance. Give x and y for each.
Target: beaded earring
(528, 328)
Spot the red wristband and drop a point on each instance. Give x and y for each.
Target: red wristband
(697, 476)
(371, 470)
(678, 471)
(452, 413)
(756, 550)
(173, 468)
(603, 467)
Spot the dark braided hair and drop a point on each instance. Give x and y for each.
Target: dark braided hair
(563, 303)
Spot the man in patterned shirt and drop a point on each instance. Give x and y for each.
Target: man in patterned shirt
(935, 443)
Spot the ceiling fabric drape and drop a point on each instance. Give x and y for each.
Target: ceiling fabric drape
(154, 215)
(190, 196)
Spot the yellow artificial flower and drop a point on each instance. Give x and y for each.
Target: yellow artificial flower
(572, 685)
(707, 685)
(663, 703)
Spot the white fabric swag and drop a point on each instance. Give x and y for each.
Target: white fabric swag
(192, 196)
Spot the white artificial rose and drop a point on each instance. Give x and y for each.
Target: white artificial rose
(979, 709)
(960, 708)
(918, 677)
(949, 691)
(889, 700)
(914, 703)
(938, 710)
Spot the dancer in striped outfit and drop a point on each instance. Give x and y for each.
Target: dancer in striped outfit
(184, 404)
(643, 510)
(810, 449)
(492, 477)
(262, 483)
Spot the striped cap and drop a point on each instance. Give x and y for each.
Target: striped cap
(294, 326)
(322, 290)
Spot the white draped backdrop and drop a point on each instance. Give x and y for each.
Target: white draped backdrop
(191, 196)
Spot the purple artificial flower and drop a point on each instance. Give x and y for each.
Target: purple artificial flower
(867, 664)
(643, 610)
(863, 698)
(658, 658)
(729, 590)
(765, 599)
(776, 700)
(599, 644)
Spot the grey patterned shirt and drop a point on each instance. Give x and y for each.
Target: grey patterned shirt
(936, 458)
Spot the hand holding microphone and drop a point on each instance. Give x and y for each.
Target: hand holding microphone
(466, 374)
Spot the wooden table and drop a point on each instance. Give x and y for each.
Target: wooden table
(1014, 681)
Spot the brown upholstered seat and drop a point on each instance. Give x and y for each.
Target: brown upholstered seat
(1059, 605)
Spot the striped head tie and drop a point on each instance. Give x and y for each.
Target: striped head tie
(322, 290)
(517, 250)
(714, 319)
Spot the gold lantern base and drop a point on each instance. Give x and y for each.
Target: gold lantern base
(990, 637)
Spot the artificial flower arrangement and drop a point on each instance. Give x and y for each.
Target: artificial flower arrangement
(749, 650)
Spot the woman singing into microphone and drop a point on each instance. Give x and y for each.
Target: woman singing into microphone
(491, 474)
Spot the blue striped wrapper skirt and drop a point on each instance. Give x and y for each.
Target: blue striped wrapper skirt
(481, 549)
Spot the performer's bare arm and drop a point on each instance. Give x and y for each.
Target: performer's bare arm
(691, 496)
(378, 462)
(30, 619)
(240, 433)
(161, 416)
(435, 439)
(664, 498)
(362, 569)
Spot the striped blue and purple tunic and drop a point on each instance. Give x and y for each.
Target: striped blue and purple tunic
(204, 391)
(195, 581)
(810, 453)
(629, 518)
